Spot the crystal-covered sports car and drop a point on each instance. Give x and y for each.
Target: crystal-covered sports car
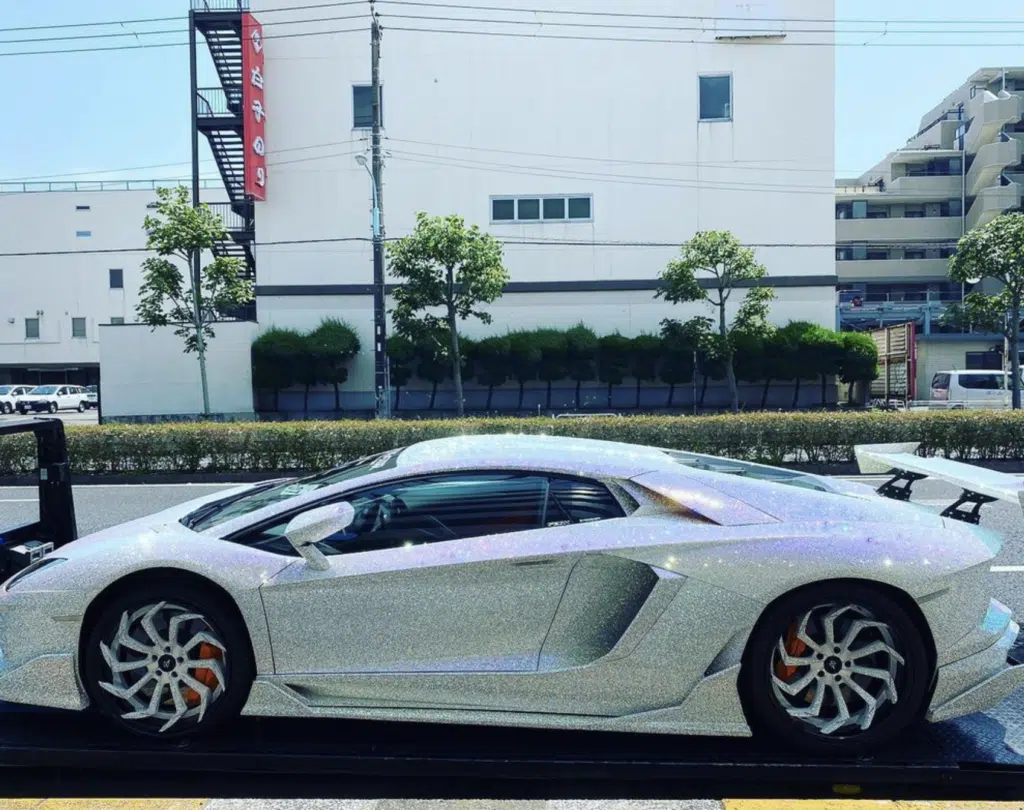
(532, 581)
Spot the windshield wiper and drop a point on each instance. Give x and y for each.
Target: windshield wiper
(211, 509)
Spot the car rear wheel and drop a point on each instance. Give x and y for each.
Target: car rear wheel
(81, 406)
(52, 407)
(6, 407)
(835, 668)
(168, 661)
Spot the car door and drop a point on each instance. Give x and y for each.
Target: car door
(448, 573)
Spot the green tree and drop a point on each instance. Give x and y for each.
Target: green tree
(613, 360)
(679, 346)
(790, 348)
(278, 356)
(581, 356)
(996, 251)
(443, 264)
(401, 363)
(553, 365)
(333, 344)
(179, 235)
(729, 266)
(858, 360)
(645, 357)
(524, 359)
(492, 363)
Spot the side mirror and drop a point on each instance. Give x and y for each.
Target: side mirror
(306, 530)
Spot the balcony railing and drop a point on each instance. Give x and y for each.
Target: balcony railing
(890, 300)
(216, 102)
(233, 221)
(104, 185)
(220, 5)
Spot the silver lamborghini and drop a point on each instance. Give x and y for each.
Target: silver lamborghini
(533, 581)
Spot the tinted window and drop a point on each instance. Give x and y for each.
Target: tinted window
(5, 389)
(362, 106)
(572, 501)
(715, 98)
(503, 209)
(452, 507)
(529, 209)
(45, 389)
(579, 208)
(218, 512)
(982, 382)
(940, 381)
(554, 208)
(116, 278)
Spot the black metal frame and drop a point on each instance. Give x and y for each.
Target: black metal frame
(899, 486)
(56, 524)
(973, 515)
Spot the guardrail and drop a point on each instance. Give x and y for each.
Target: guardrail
(216, 102)
(233, 221)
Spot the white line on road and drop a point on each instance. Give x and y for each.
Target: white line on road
(19, 500)
(1007, 569)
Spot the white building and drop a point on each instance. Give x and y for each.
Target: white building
(563, 145)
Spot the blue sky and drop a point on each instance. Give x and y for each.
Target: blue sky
(85, 114)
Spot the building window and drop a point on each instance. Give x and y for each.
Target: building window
(116, 278)
(914, 212)
(877, 255)
(82, 208)
(947, 252)
(542, 209)
(915, 253)
(844, 254)
(860, 209)
(844, 211)
(31, 328)
(860, 252)
(503, 210)
(878, 212)
(362, 106)
(954, 208)
(117, 321)
(78, 327)
(716, 98)
(83, 234)
(528, 209)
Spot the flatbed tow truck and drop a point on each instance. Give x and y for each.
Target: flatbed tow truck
(978, 757)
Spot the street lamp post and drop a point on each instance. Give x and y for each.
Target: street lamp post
(382, 377)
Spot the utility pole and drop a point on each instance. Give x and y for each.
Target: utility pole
(381, 378)
(197, 257)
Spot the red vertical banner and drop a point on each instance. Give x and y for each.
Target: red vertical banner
(254, 113)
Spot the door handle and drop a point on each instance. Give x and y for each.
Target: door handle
(534, 563)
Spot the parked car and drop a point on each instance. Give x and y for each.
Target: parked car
(9, 396)
(53, 398)
(532, 581)
(92, 399)
(971, 388)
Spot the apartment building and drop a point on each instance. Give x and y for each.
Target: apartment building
(898, 224)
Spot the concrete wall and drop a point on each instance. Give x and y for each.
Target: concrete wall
(471, 117)
(145, 373)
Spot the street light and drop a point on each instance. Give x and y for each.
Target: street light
(382, 368)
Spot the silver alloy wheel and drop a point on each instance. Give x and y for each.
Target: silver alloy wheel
(837, 669)
(153, 669)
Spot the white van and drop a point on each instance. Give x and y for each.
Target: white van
(971, 389)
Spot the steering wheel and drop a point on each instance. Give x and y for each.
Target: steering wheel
(387, 509)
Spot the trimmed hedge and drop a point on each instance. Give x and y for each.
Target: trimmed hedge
(773, 438)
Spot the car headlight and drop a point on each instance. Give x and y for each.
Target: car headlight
(24, 573)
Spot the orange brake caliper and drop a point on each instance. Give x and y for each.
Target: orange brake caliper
(204, 676)
(794, 646)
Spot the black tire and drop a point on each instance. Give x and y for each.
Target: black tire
(225, 626)
(6, 407)
(82, 406)
(22, 410)
(762, 702)
(52, 407)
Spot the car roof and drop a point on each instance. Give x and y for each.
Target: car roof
(973, 371)
(561, 453)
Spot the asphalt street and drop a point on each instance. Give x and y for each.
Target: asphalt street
(90, 417)
(101, 506)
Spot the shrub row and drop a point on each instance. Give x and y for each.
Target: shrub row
(773, 438)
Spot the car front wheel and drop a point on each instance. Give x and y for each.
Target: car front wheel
(838, 669)
(52, 407)
(6, 407)
(168, 661)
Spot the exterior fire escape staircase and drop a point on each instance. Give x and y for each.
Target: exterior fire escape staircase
(219, 119)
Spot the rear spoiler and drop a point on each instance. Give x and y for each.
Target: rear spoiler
(979, 486)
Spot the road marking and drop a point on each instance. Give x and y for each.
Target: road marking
(862, 804)
(1007, 569)
(19, 500)
(103, 804)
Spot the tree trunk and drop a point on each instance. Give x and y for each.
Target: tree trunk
(671, 393)
(305, 401)
(824, 392)
(453, 324)
(638, 394)
(433, 396)
(337, 398)
(703, 392)
(730, 372)
(578, 384)
(549, 395)
(490, 394)
(522, 387)
(796, 393)
(764, 394)
(1015, 353)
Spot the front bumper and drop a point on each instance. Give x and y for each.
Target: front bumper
(984, 678)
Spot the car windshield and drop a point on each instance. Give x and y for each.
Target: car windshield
(44, 389)
(5, 389)
(217, 512)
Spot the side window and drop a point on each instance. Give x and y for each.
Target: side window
(428, 510)
(940, 381)
(578, 501)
